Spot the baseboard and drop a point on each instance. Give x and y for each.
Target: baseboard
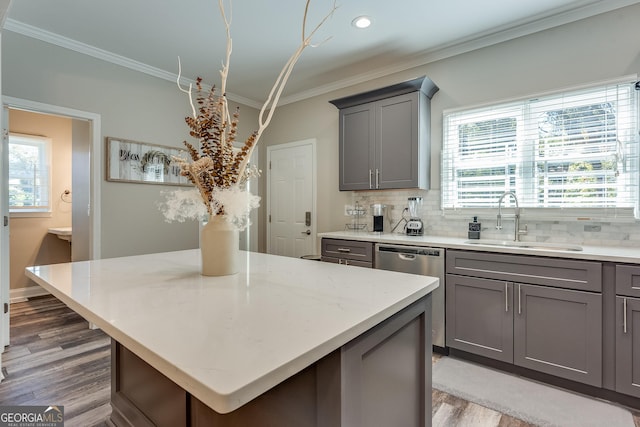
(23, 294)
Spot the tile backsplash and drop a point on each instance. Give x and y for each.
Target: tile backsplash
(590, 233)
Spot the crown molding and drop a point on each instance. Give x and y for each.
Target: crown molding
(468, 44)
(83, 48)
(501, 34)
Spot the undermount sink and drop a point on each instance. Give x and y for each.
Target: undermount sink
(63, 233)
(531, 245)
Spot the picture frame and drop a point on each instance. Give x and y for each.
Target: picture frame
(143, 163)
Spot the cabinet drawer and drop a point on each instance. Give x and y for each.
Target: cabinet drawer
(347, 249)
(347, 262)
(628, 280)
(561, 273)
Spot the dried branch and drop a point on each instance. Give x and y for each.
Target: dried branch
(216, 165)
(280, 83)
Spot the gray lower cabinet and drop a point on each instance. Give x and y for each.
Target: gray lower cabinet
(479, 316)
(347, 252)
(628, 345)
(541, 326)
(627, 329)
(559, 332)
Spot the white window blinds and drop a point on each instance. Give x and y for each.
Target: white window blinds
(574, 151)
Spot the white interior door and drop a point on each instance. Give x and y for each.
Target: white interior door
(291, 220)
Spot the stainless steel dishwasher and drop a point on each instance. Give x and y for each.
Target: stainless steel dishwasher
(418, 260)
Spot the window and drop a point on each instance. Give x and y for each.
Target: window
(567, 153)
(29, 173)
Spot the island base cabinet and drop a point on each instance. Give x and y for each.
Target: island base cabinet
(628, 345)
(380, 378)
(559, 332)
(141, 396)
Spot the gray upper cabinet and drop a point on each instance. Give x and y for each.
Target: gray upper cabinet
(384, 137)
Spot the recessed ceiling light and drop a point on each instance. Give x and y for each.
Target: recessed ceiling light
(361, 22)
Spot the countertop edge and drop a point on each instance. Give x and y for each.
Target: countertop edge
(225, 403)
(604, 253)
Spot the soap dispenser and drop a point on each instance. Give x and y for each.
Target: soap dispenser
(474, 229)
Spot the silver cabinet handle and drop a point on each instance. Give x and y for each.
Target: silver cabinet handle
(377, 178)
(624, 309)
(344, 250)
(370, 174)
(506, 296)
(519, 300)
(346, 262)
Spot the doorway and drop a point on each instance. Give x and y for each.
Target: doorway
(291, 198)
(84, 191)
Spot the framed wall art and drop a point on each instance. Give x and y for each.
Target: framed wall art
(140, 162)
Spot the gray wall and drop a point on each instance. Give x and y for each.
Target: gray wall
(133, 106)
(597, 48)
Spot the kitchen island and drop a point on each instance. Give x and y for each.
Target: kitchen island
(284, 342)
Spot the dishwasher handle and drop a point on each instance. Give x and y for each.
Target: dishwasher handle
(407, 257)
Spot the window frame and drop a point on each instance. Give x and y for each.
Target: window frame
(502, 108)
(45, 148)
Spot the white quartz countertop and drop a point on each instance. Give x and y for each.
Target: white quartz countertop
(597, 253)
(227, 340)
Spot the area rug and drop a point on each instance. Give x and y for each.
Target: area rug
(524, 399)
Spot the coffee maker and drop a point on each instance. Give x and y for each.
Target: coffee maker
(378, 211)
(414, 225)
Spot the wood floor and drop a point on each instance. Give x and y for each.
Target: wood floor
(55, 359)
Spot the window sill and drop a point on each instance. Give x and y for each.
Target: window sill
(30, 214)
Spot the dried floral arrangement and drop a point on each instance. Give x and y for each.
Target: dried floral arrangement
(217, 167)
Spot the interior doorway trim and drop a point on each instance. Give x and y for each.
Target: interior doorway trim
(95, 155)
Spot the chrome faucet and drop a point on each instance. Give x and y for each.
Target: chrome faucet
(517, 232)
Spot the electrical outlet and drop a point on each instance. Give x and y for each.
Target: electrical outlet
(347, 210)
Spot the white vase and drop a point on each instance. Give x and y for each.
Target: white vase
(220, 247)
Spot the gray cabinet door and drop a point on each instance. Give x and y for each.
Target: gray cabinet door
(628, 280)
(479, 316)
(357, 156)
(397, 142)
(559, 332)
(628, 346)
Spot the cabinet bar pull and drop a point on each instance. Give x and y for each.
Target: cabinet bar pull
(624, 309)
(370, 174)
(344, 250)
(506, 296)
(377, 178)
(519, 300)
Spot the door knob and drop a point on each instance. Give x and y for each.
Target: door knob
(308, 232)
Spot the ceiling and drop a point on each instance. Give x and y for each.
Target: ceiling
(149, 35)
